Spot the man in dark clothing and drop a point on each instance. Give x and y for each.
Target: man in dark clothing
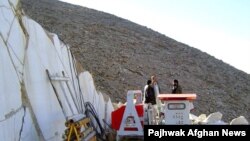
(176, 87)
(150, 94)
(150, 102)
(145, 89)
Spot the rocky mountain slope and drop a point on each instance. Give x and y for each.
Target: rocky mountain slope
(122, 55)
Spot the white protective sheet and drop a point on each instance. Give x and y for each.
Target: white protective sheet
(70, 93)
(29, 132)
(11, 127)
(11, 110)
(16, 44)
(100, 106)
(10, 96)
(13, 2)
(40, 56)
(87, 86)
(96, 98)
(110, 109)
(24, 60)
(6, 18)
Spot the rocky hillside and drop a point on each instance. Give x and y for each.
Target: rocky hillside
(122, 55)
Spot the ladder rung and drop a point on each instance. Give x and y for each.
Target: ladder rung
(59, 78)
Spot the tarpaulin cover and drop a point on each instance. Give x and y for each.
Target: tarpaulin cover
(33, 107)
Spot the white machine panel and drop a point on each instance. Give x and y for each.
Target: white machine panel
(177, 112)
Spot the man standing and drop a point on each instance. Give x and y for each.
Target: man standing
(149, 93)
(157, 92)
(145, 90)
(150, 102)
(155, 84)
(176, 87)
